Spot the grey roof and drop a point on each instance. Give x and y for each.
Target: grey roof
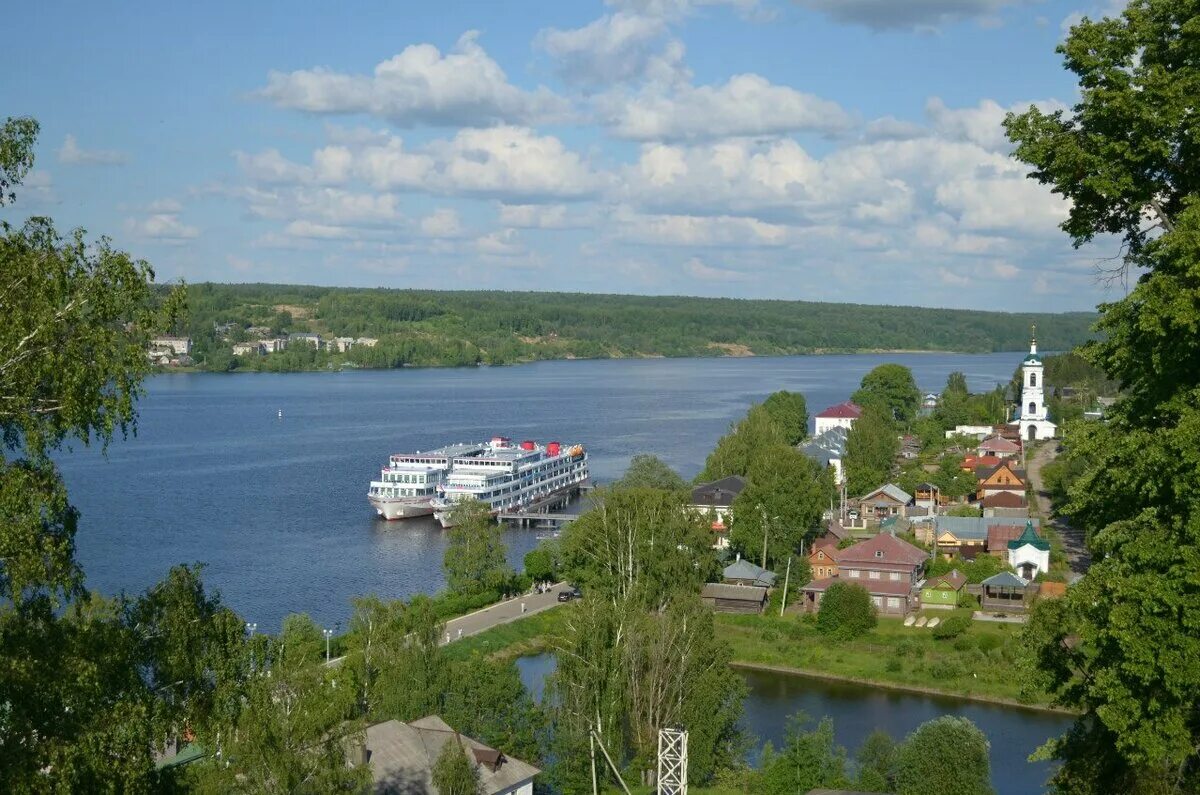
(745, 570)
(719, 492)
(827, 446)
(972, 527)
(892, 490)
(723, 590)
(402, 756)
(1005, 579)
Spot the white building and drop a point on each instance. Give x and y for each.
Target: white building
(842, 415)
(369, 342)
(343, 344)
(180, 346)
(274, 345)
(1032, 417)
(1029, 554)
(247, 348)
(310, 339)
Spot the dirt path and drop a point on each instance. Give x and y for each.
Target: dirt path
(1078, 557)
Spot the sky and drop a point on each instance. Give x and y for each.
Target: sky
(827, 150)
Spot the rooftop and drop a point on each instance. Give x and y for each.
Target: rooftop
(719, 492)
(891, 490)
(1005, 579)
(970, 527)
(880, 587)
(743, 569)
(725, 590)
(894, 551)
(846, 410)
(954, 579)
(1029, 537)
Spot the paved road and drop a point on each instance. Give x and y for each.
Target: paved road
(1078, 557)
(502, 613)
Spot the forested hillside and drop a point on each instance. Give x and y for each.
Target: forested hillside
(427, 327)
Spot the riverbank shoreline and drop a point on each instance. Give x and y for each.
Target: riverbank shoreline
(885, 685)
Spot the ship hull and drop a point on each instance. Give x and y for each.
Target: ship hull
(400, 508)
(443, 514)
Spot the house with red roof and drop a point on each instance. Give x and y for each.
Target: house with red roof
(842, 415)
(890, 569)
(999, 447)
(1004, 503)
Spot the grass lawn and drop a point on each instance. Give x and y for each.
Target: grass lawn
(983, 662)
(529, 635)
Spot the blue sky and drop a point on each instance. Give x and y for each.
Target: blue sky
(833, 150)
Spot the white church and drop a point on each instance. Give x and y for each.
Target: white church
(1032, 417)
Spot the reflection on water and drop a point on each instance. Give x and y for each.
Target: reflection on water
(858, 710)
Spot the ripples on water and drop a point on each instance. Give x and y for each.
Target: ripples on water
(277, 508)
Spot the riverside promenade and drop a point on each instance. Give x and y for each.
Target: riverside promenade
(502, 613)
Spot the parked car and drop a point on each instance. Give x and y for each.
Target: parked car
(569, 594)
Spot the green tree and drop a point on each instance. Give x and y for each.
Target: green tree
(871, 448)
(782, 504)
(650, 472)
(485, 699)
(944, 756)
(394, 659)
(809, 758)
(790, 412)
(476, 560)
(876, 763)
(542, 562)
(891, 386)
(454, 773)
(738, 449)
(17, 138)
(846, 611)
(639, 544)
(1118, 647)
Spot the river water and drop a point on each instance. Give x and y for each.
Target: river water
(857, 711)
(276, 507)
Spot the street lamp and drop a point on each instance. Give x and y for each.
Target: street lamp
(328, 633)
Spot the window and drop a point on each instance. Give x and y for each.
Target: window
(1032, 407)
(879, 553)
(874, 575)
(893, 602)
(1033, 379)
(895, 576)
(853, 573)
(878, 600)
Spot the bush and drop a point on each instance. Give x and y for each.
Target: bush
(945, 756)
(963, 643)
(952, 627)
(945, 669)
(769, 634)
(846, 611)
(968, 600)
(989, 642)
(910, 647)
(894, 665)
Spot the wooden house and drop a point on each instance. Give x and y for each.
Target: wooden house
(943, 592)
(1005, 476)
(1006, 593)
(823, 559)
(886, 501)
(715, 501)
(886, 566)
(728, 598)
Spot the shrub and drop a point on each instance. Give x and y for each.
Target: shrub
(910, 647)
(968, 600)
(963, 643)
(945, 669)
(894, 665)
(796, 630)
(952, 627)
(846, 611)
(770, 634)
(989, 642)
(945, 756)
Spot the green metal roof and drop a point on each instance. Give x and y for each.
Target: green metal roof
(1005, 579)
(1030, 537)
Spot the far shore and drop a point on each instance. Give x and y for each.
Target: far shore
(925, 691)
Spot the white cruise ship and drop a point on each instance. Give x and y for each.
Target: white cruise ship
(510, 476)
(410, 481)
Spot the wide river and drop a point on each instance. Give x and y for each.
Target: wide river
(276, 507)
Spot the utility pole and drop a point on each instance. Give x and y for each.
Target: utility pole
(592, 743)
(787, 578)
(616, 773)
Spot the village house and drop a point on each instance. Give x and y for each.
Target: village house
(402, 757)
(179, 346)
(965, 536)
(971, 463)
(343, 344)
(366, 342)
(889, 568)
(1002, 477)
(1029, 553)
(999, 447)
(1006, 504)
(842, 415)
(828, 449)
(886, 501)
(715, 501)
(274, 345)
(978, 431)
(929, 496)
(247, 348)
(258, 331)
(943, 592)
(743, 572)
(730, 598)
(823, 558)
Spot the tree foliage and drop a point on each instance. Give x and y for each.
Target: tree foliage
(476, 560)
(737, 450)
(846, 611)
(17, 137)
(782, 502)
(650, 472)
(789, 410)
(892, 387)
(1122, 645)
(809, 759)
(944, 756)
(453, 772)
(871, 448)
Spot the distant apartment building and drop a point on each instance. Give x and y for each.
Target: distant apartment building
(274, 345)
(247, 348)
(343, 344)
(180, 346)
(308, 339)
(368, 342)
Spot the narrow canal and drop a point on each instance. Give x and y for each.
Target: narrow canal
(858, 710)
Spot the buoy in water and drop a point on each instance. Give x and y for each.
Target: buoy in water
(281, 414)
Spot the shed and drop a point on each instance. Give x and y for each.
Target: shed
(727, 598)
(1005, 592)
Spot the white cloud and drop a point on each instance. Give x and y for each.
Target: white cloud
(691, 230)
(675, 9)
(271, 167)
(746, 104)
(164, 206)
(70, 154)
(907, 14)
(889, 128)
(420, 85)
(1005, 270)
(501, 243)
(163, 227)
(982, 124)
(442, 222)
(540, 216)
(697, 269)
(613, 49)
(317, 231)
(953, 279)
(1110, 8)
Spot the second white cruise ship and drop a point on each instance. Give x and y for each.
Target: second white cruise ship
(410, 481)
(510, 476)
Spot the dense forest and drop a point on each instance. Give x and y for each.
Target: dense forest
(420, 327)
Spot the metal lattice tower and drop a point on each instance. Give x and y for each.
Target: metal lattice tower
(672, 761)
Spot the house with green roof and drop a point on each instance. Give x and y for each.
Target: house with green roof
(1029, 553)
